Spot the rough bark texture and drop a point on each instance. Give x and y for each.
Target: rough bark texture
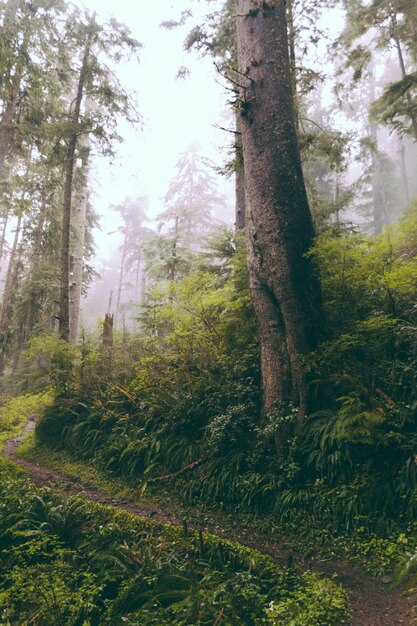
(69, 175)
(108, 331)
(284, 287)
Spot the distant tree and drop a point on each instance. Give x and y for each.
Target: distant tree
(93, 79)
(135, 236)
(371, 27)
(192, 205)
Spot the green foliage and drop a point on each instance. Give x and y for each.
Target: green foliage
(76, 563)
(52, 362)
(191, 405)
(15, 411)
(306, 612)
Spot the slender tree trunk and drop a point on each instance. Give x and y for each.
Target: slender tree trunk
(137, 279)
(78, 260)
(142, 290)
(15, 79)
(3, 234)
(121, 277)
(376, 178)
(64, 318)
(403, 171)
(336, 195)
(34, 266)
(172, 273)
(284, 287)
(239, 180)
(413, 118)
(8, 294)
(293, 62)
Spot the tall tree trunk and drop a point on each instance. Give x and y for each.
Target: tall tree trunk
(376, 178)
(413, 118)
(8, 294)
(172, 272)
(15, 79)
(64, 318)
(403, 171)
(336, 195)
(34, 266)
(293, 62)
(78, 258)
(284, 286)
(120, 285)
(239, 180)
(137, 279)
(3, 234)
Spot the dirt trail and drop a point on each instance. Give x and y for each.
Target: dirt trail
(371, 602)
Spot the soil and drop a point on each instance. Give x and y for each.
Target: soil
(372, 602)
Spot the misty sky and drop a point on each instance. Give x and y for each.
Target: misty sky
(175, 112)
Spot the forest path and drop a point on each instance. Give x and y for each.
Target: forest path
(371, 602)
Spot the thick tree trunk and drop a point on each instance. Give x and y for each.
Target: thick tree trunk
(64, 318)
(285, 289)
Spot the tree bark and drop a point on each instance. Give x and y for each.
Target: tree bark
(284, 286)
(36, 257)
(10, 105)
(78, 260)
(121, 277)
(403, 171)
(376, 178)
(8, 294)
(240, 211)
(64, 318)
(3, 234)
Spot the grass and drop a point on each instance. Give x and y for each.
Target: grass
(15, 411)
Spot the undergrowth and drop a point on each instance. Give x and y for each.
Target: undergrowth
(184, 397)
(73, 562)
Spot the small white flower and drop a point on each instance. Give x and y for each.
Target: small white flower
(271, 605)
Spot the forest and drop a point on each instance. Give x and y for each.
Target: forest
(210, 419)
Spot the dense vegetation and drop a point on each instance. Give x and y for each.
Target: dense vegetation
(78, 563)
(192, 394)
(269, 371)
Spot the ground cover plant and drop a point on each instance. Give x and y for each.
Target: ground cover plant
(74, 562)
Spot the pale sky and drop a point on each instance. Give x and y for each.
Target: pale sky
(175, 112)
